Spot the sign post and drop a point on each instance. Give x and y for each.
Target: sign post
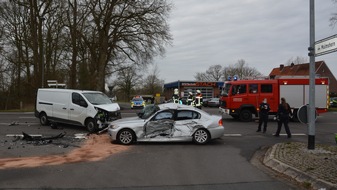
(326, 45)
(311, 111)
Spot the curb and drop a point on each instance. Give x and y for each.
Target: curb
(300, 176)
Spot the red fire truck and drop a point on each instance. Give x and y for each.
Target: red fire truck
(241, 98)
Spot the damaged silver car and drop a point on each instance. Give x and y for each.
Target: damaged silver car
(167, 123)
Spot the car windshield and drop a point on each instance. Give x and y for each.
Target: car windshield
(147, 111)
(137, 99)
(97, 98)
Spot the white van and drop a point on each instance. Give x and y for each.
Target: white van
(92, 109)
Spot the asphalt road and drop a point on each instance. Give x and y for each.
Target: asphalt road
(221, 164)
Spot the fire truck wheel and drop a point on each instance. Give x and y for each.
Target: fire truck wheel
(246, 115)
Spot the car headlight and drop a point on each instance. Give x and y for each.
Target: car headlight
(113, 126)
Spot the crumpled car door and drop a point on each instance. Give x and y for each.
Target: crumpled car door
(185, 127)
(159, 128)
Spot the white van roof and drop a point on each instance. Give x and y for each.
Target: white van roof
(68, 90)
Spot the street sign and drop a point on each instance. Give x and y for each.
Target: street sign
(302, 114)
(326, 45)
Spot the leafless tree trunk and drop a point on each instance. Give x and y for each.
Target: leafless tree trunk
(152, 84)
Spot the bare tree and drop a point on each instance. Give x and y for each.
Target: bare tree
(78, 42)
(213, 73)
(128, 80)
(297, 60)
(134, 29)
(152, 84)
(241, 70)
(333, 19)
(200, 76)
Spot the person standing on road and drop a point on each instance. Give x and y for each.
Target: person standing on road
(190, 99)
(198, 99)
(175, 97)
(283, 113)
(263, 115)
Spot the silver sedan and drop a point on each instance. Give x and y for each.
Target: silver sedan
(167, 123)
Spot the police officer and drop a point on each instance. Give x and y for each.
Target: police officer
(263, 115)
(175, 97)
(198, 99)
(283, 114)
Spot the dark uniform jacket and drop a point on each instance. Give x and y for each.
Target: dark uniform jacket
(264, 108)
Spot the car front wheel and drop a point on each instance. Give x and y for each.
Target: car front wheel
(125, 136)
(201, 136)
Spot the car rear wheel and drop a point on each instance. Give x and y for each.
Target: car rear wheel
(201, 136)
(125, 136)
(44, 119)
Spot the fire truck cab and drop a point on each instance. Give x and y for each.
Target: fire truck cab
(241, 98)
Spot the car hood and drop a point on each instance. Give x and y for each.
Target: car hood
(139, 101)
(130, 122)
(109, 107)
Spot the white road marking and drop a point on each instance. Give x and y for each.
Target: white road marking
(292, 134)
(20, 135)
(232, 135)
(18, 123)
(282, 134)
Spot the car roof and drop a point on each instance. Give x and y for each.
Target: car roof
(174, 106)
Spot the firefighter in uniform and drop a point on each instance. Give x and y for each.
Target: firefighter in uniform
(198, 99)
(175, 97)
(190, 99)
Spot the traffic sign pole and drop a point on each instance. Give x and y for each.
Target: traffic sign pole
(311, 114)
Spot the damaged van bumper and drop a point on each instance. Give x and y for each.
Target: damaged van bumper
(104, 117)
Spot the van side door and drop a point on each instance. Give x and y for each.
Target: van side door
(60, 106)
(78, 108)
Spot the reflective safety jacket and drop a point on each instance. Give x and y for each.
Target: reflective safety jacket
(190, 100)
(198, 100)
(175, 98)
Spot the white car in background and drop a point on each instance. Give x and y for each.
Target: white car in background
(168, 122)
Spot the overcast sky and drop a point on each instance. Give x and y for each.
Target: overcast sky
(265, 33)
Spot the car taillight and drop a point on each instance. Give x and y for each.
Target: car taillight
(220, 122)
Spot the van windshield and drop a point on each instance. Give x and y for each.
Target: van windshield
(97, 98)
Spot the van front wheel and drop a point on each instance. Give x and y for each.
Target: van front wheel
(91, 125)
(44, 119)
